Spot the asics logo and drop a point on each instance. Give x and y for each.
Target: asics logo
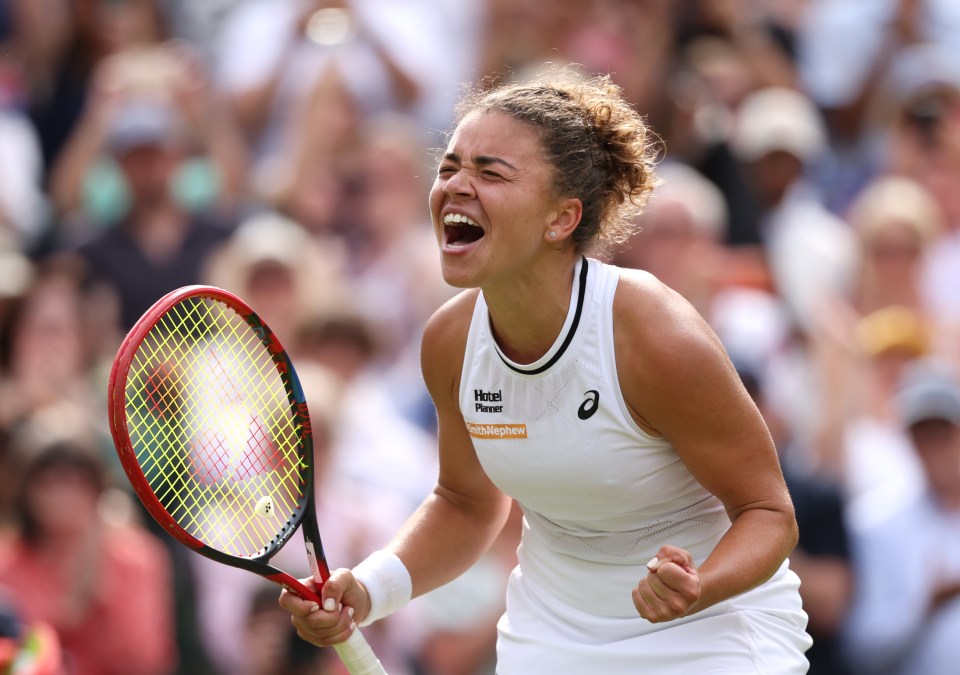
(589, 406)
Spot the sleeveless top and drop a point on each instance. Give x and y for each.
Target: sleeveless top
(599, 495)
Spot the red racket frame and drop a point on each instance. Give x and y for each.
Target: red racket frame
(304, 515)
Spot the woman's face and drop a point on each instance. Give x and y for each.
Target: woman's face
(492, 200)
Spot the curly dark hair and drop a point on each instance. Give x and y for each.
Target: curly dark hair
(602, 150)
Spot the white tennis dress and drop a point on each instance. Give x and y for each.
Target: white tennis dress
(599, 497)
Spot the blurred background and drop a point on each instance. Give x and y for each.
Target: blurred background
(282, 149)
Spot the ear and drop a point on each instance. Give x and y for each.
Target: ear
(564, 220)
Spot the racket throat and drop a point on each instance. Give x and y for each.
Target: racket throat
(318, 566)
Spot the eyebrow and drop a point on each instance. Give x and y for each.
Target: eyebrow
(481, 160)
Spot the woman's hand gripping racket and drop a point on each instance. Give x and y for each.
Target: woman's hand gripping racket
(213, 431)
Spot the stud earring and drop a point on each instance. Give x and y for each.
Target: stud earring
(552, 235)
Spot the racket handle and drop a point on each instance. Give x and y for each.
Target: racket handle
(358, 657)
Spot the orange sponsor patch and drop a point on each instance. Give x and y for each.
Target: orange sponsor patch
(497, 431)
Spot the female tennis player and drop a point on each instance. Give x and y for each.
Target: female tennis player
(656, 522)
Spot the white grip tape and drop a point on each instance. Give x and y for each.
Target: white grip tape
(358, 657)
(388, 584)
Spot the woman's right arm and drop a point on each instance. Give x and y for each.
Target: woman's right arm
(455, 524)
(461, 518)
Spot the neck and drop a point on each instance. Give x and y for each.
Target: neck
(527, 315)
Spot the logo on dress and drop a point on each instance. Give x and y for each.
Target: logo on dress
(589, 406)
(483, 401)
(497, 431)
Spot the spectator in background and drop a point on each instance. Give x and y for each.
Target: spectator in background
(391, 57)
(377, 447)
(32, 33)
(308, 178)
(23, 204)
(158, 245)
(922, 104)
(103, 586)
(282, 271)
(67, 39)
(864, 339)
(522, 35)
(45, 353)
(906, 616)
(925, 147)
(631, 39)
(897, 221)
(705, 86)
(778, 135)
(681, 235)
(763, 33)
(89, 189)
(395, 267)
(722, 52)
(846, 54)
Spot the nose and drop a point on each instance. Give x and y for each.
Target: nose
(460, 184)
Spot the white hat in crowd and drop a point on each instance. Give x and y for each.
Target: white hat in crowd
(778, 119)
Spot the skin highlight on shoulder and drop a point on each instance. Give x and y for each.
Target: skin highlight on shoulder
(659, 338)
(444, 343)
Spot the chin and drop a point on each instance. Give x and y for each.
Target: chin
(459, 281)
(456, 276)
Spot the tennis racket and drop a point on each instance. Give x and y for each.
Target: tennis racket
(212, 429)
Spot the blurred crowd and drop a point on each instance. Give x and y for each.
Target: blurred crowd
(283, 149)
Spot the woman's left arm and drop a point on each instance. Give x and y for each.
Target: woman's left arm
(679, 383)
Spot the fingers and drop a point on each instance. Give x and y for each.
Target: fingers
(671, 587)
(673, 554)
(296, 605)
(324, 628)
(326, 624)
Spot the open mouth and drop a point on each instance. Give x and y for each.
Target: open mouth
(459, 230)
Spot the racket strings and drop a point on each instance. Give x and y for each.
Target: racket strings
(214, 430)
(214, 439)
(227, 393)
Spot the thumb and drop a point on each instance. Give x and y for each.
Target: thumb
(674, 568)
(671, 554)
(342, 588)
(333, 589)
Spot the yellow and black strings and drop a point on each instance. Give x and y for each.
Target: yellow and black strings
(213, 429)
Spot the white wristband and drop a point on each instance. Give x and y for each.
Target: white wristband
(388, 584)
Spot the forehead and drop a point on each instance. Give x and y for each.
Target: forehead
(496, 134)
